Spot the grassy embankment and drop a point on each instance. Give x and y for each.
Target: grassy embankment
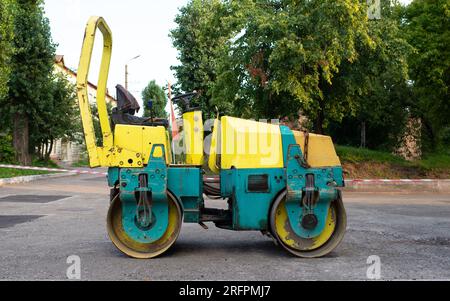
(13, 172)
(364, 163)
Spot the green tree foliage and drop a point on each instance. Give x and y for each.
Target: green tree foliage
(288, 56)
(95, 121)
(31, 66)
(39, 106)
(199, 38)
(7, 154)
(427, 27)
(59, 117)
(6, 46)
(158, 96)
(322, 58)
(377, 84)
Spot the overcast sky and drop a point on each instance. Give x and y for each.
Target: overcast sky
(140, 27)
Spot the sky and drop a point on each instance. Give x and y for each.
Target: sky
(139, 27)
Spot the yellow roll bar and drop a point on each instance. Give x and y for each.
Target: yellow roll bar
(95, 152)
(115, 151)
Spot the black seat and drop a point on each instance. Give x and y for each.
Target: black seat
(127, 107)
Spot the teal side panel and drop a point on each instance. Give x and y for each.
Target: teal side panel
(288, 139)
(186, 184)
(113, 176)
(251, 208)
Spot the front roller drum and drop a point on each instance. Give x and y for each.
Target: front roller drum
(319, 246)
(140, 250)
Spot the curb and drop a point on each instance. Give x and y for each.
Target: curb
(423, 185)
(27, 179)
(74, 171)
(362, 185)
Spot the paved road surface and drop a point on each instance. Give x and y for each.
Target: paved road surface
(42, 223)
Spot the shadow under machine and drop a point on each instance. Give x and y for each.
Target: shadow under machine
(272, 179)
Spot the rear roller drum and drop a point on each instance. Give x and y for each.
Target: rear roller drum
(136, 249)
(319, 246)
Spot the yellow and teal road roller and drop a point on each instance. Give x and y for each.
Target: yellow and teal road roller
(281, 182)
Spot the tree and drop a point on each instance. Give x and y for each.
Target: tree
(202, 31)
(6, 45)
(377, 84)
(31, 69)
(287, 56)
(426, 25)
(78, 128)
(158, 96)
(58, 120)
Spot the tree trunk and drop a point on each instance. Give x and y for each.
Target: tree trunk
(45, 150)
(363, 134)
(430, 131)
(318, 127)
(21, 139)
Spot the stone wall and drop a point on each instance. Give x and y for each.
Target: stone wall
(66, 152)
(410, 148)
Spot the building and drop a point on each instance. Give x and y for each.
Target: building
(71, 75)
(64, 151)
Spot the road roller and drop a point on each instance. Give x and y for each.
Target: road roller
(270, 178)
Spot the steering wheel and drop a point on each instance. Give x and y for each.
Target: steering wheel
(185, 99)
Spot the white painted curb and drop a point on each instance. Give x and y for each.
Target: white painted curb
(413, 185)
(393, 181)
(74, 171)
(27, 179)
(438, 184)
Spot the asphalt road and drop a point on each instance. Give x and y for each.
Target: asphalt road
(42, 223)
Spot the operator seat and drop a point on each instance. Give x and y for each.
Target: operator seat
(127, 107)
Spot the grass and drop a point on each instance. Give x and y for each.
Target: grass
(43, 163)
(13, 172)
(359, 155)
(379, 164)
(435, 161)
(81, 163)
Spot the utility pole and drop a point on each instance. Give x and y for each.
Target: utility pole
(173, 122)
(126, 70)
(126, 77)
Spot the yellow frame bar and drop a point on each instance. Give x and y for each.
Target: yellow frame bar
(95, 153)
(193, 137)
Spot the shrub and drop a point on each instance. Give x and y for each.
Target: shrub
(7, 153)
